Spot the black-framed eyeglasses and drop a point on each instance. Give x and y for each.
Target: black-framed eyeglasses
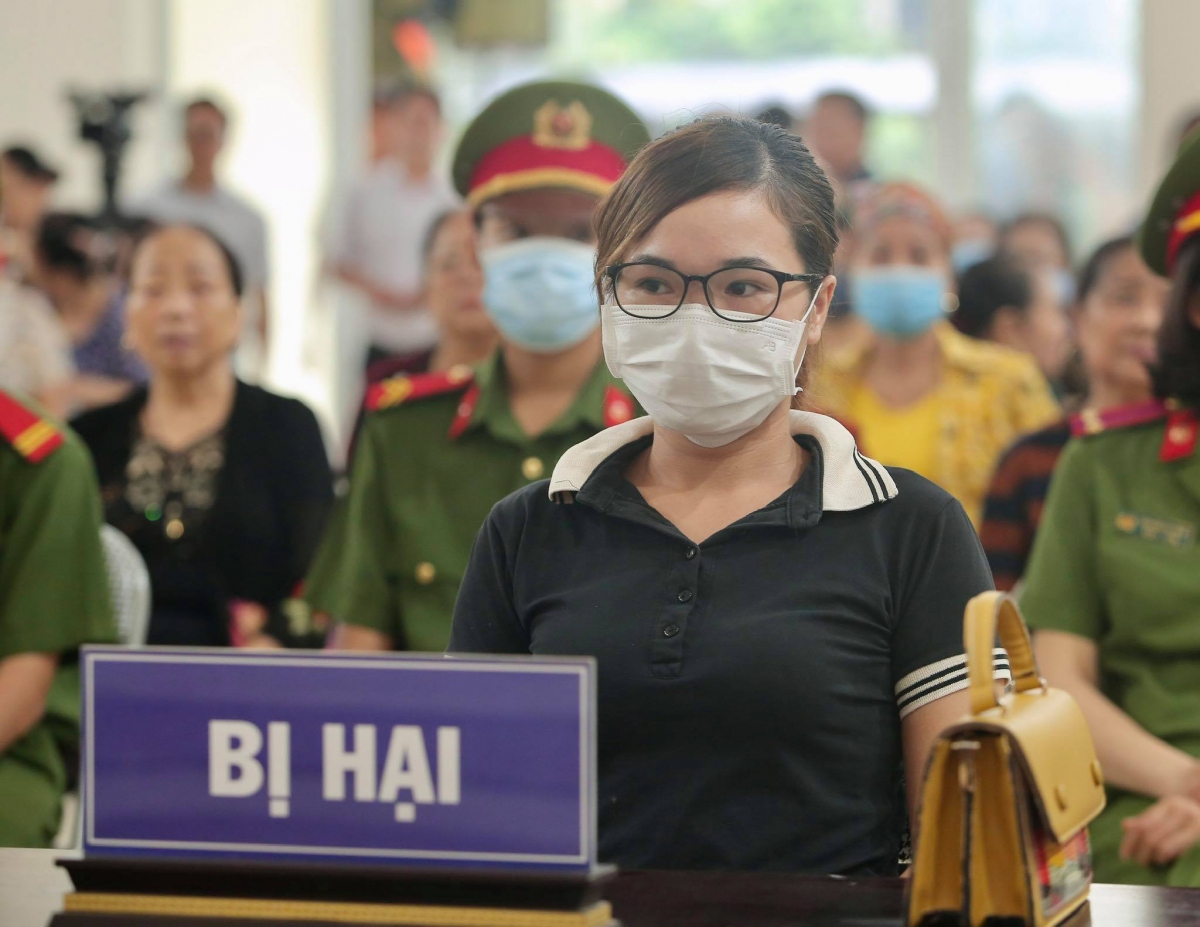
(736, 294)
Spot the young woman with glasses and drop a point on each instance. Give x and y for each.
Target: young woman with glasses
(777, 619)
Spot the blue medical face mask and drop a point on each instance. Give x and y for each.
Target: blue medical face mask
(899, 301)
(541, 292)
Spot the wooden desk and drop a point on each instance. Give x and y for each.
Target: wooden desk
(719, 899)
(32, 887)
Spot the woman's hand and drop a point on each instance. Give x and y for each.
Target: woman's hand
(1163, 832)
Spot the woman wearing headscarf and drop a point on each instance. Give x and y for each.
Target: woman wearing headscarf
(919, 394)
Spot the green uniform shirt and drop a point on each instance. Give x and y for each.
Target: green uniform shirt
(395, 554)
(54, 596)
(1117, 560)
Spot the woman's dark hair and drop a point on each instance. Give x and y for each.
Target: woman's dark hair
(986, 288)
(714, 154)
(1039, 218)
(75, 244)
(232, 265)
(1177, 373)
(776, 114)
(435, 229)
(1094, 267)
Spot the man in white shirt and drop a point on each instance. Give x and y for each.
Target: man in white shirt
(377, 238)
(199, 199)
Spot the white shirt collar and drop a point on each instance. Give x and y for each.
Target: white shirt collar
(849, 480)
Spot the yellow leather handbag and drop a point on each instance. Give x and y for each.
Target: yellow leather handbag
(1001, 835)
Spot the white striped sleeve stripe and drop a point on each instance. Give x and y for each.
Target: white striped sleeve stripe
(942, 678)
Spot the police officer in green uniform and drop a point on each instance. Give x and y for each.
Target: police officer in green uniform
(54, 597)
(438, 451)
(1113, 587)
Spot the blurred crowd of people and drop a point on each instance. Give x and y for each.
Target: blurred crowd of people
(958, 346)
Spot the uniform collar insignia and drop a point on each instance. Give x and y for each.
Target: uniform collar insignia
(569, 127)
(849, 480)
(1091, 421)
(1180, 437)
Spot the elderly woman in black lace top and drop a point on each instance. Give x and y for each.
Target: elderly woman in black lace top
(223, 487)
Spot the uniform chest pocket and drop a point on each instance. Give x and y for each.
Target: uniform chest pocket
(1171, 532)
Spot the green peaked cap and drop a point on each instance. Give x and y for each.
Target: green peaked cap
(547, 134)
(1181, 183)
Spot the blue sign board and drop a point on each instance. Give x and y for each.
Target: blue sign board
(417, 759)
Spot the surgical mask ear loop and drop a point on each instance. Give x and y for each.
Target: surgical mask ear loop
(804, 321)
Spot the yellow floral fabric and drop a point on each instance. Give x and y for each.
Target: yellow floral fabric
(908, 436)
(987, 396)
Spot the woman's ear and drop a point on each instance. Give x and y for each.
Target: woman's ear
(820, 310)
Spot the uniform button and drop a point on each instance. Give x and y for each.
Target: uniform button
(670, 630)
(426, 573)
(691, 552)
(685, 595)
(532, 468)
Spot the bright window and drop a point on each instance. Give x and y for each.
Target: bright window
(1055, 101)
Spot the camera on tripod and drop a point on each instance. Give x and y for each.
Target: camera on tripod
(104, 120)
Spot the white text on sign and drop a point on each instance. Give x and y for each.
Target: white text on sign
(235, 769)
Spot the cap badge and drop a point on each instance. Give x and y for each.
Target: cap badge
(567, 127)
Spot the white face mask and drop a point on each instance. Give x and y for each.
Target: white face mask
(698, 374)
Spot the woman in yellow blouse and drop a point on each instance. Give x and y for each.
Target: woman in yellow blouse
(919, 394)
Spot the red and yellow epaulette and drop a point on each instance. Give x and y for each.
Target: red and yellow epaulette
(32, 436)
(1179, 438)
(396, 390)
(1094, 421)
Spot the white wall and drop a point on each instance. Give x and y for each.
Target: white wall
(271, 62)
(1170, 81)
(48, 46)
(295, 75)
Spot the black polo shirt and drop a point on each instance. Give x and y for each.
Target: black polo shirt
(751, 688)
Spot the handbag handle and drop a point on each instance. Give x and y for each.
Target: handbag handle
(986, 613)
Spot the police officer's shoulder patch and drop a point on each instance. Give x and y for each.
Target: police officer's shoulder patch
(395, 391)
(31, 436)
(1096, 421)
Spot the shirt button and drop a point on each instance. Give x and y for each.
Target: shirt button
(426, 573)
(691, 552)
(532, 468)
(670, 630)
(685, 595)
